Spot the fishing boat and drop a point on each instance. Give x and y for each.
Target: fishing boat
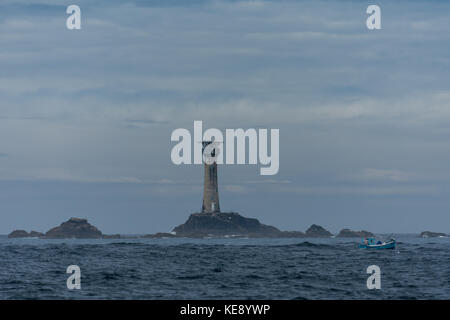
(371, 243)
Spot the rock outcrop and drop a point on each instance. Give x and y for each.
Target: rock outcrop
(35, 234)
(19, 234)
(24, 234)
(74, 228)
(200, 225)
(111, 236)
(429, 234)
(224, 224)
(291, 234)
(347, 233)
(316, 231)
(159, 235)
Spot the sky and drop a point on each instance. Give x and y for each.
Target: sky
(86, 115)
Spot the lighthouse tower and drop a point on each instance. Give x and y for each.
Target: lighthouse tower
(210, 187)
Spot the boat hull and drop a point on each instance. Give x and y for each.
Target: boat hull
(385, 245)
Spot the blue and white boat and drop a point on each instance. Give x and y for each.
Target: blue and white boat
(371, 243)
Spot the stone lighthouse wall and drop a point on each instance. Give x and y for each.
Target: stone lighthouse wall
(210, 189)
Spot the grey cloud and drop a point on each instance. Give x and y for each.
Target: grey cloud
(361, 114)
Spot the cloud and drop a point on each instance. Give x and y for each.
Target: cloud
(384, 175)
(101, 103)
(343, 190)
(268, 181)
(361, 114)
(232, 188)
(306, 35)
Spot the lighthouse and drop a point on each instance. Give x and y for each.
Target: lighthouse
(210, 186)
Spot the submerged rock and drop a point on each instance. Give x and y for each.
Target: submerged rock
(74, 228)
(347, 233)
(429, 234)
(316, 231)
(224, 224)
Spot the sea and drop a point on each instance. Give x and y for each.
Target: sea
(223, 269)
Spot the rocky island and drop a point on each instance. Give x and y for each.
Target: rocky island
(316, 231)
(224, 224)
(347, 233)
(232, 224)
(198, 225)
(74, 228)
(429, 234)
(24, 234)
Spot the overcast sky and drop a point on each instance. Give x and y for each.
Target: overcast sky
(86, 115)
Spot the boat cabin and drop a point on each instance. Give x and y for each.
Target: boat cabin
(369, 241)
